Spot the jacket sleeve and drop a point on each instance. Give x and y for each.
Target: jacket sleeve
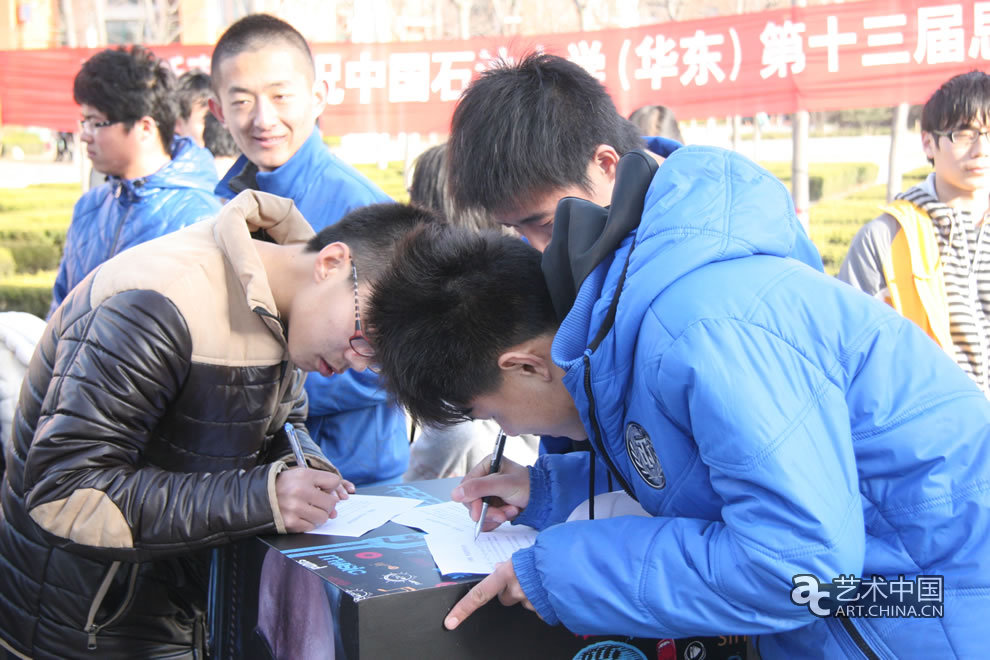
(295, 398)
(116, 370)
(862, 266)
(773, 430)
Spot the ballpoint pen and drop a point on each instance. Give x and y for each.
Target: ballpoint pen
(496, 463)
(290, 433)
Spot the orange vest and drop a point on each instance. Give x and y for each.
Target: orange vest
(913, 271)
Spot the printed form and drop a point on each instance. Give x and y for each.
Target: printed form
(359, 514)
(450, 538)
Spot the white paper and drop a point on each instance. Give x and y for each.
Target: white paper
(437, 518)
(457, 551)
(359, 514)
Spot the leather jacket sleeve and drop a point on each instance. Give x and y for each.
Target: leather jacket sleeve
(115, 372)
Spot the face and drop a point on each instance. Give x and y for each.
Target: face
(193, 127)
(961, 170)
(532, 216)
(113, 149)
(531, 398)
(269, 103)
(321, 319)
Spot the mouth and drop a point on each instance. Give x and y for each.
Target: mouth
(324, 368)
(269, 140)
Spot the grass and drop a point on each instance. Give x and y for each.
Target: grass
(41, 214)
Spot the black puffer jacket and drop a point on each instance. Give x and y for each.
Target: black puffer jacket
(147, 433)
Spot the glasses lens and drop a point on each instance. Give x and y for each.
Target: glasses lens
(965, 136)
(362, 347)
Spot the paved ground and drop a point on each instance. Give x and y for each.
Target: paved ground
(17, 174)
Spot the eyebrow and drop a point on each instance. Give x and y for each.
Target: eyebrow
(533, 218)
(243, 90)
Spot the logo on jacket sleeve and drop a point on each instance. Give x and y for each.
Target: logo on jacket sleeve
(643, 456)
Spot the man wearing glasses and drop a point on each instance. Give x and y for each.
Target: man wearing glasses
(156, 182)
(150, 425)
(927, 254)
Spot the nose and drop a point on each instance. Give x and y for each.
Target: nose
(86, 136)
(265, 115)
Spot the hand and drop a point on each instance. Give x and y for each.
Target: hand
(502, 583)
(510, 487)
(307, 497)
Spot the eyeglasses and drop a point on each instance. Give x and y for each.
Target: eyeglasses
(90, 125)
(359, 342)
(965, 137)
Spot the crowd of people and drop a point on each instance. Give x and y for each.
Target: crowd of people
(645, 316)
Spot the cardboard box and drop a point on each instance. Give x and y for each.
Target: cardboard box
(393, 601)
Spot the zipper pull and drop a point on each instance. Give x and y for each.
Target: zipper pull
(92, 630)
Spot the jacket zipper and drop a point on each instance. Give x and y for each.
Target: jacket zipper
(857, 638)
(600, 448)
(92, 628)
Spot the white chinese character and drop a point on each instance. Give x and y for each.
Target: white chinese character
(364, 75)
(782, 45)
(899, 587)
(940, 35)
(656, 62)
(979, 47)
(831, 41)
(885, 39)
(699, 61)
(486, 60)
(589, 57)
(329, 68)
(201, 62)
(409, 78)
(448, 75)
(929, 587)
(874, 586)
(845, 586)
(178, 64)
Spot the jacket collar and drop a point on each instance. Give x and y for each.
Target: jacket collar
(249, 212)
(283, 180)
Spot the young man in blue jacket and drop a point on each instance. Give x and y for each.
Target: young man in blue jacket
(782, 431)
(268, 97)
(157, 182)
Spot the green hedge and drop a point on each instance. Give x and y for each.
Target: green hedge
(27, 293)
(827, 179)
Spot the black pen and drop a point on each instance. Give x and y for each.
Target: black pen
(496, 463)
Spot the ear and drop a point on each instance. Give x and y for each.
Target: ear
(606, 159)
(320, 93)
(217, 110)
(522, 361)
(334, 260)
(929, 143)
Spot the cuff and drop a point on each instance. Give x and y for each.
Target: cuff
(524, 564)
(277, 467)
(538, 509)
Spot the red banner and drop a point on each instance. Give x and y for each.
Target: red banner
(826, 57)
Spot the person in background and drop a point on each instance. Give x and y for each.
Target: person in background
(267, 95)
(220, 143)
(150, 426)
(193, 93)
(791, 441)
(156, 182)
(658, 120)
(438, 453)
(928, 255)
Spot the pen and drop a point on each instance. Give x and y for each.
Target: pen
(496, 463)
(290, 432)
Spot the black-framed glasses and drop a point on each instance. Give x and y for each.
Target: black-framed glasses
(359, 342)
(965, 137)
(90, 125)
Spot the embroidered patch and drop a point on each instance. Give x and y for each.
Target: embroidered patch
(643, 456)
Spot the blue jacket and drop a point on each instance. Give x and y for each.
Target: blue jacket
(349, 415)
(122, 213)
(773, 420)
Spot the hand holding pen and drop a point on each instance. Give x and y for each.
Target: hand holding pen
(496, 464)
(306, 497)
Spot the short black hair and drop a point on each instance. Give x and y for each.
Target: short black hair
(256, 31)
(656, 121)
(428, 189)
(126, 84)
(960, 100)
(192, 89)
(450, 303)
(218, 139)
(528, 128)
(372, 232)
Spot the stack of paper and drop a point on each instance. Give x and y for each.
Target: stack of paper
(359, 514)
